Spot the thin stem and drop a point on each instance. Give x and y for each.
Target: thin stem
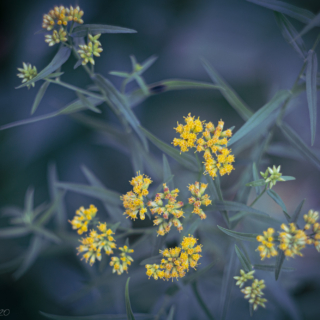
(201, 302)
(258, 197)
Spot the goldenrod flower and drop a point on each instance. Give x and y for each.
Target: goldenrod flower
(316, 241)
(310, 219)
(275, 175)
(199, 198)
(75, 14)
(82, 218)
(172, 263)
(153, 270)
(292, 240)
(56, 37)
(95, 242)
(121, 264)
(93, 48)
(254, 293)
(243, 278)
(169, 213)
(27, 73)
(213, 143)
(134, 201)
(267, 248)
(191, 255)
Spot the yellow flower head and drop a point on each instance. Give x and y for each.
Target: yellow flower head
(310, 219)
(82, 218)
(267, 248)
(199, 198)
(121, 263)
(27, 73)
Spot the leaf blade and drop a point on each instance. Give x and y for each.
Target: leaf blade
(83, 30)
(130, 315)
(246, 264)
(252, 237)
(39, 96)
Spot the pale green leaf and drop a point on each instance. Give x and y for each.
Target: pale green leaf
(201, 301)
(277, 199)
(260, 116)
(167, 172)
(302, 15)
(39, 96)
(257, 183)
(311, 90)
(288, 178)
(228, 92)
(152, 260)
(45, 233)
(120, 74)
(240, 235)
(315, 22)
(130, 315)
(268, 267)
(171, 313)
(83, 30)
(236, 206)
(296, 213)
(279, 263)
(87, 103)
(14, 232)
(255, 175)
(246, 264)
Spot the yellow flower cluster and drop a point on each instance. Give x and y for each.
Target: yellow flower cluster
(213, 143)
(61, 16)
(292, 240)
(56, 37)
(267, 248)
(168, 214)
(134, 201)
(82, 218)
(93, 48)
(95, 242)
(254, 292)
(121, 264)
(27, 73)
(199, 198)
(176, 261)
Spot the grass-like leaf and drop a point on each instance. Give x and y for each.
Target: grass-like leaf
(137, 151)
(171, 313)
(260, 116)
(240, 235)
(85, 29)
(184, 159)
(87, 103)
(288, 178)
(297, 142)
(39, 96)
(103, 194)
(246, 264)
(45, 233)
(279, 263)
(14, 232)
(167, 172)
(236, 206)
(130, 315)
(59, 59)
(257, 183)
(269, 267)
(119, 102)
(315, 22)
(255, 175)
(151, 260)
(228, 92)
(31, 255)
(277, 199)
(95, 317)
(297, 212)
(311, 90)
(200, 301)
(290, 34)
(297, 13)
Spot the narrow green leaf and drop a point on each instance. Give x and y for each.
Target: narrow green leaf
(136, 150)
(246, 264)
(39, 96)
(130, 315)
(96, 316)
(257, 183)
(290, 34)
(192, 228)
(277, 199)
(151, 260)
(268, 267)
(30, 257)
(279, 263)
(236, 206)
(28, 201)
(120, 74)
(315, 22)
(109, 196)
(240, 235)
(145, 65)
(167, 172)
(200, 301)
(288, 178)
(55, 75)
(119, 102)
(260, 116)
(136, 97)
(184, 159)
(297, 142)
(50, 211)
(45, 233)
(228, 92)
(14, 232)
(255, 175)
(171, 313)
(59, 59)
(302, 15)
(141, 84)
(311, 88)
(85, 29)
(296, 213)
(199, 273)
(87, 103)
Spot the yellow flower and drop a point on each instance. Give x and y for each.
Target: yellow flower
(254, 293)
(267, 248)
(82, 218)
(172, 263)
(275, 175)
(134, 201)
(93, 48)
(170, 212)
(316, 241)
(244, 277)
(154, 271)
(190, 256)
(56, 37)
(120, 264)
(292, 240)
(199, 198)
(310, 219)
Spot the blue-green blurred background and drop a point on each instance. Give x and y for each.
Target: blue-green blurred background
(243, 42)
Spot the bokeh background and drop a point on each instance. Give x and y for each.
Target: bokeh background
(243, 42)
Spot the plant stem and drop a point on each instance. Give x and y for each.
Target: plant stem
(258, 197)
